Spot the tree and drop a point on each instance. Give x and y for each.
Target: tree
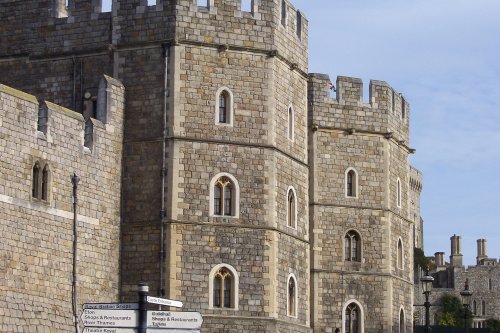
(420, 260)
(451, 313)
(494, 324)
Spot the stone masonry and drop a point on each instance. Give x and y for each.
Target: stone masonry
(153, 197)
(36, 246)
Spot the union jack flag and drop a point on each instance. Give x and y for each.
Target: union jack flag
(331, 86)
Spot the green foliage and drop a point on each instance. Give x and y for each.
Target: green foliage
(451, 313)
(494, 324)
(421, 260)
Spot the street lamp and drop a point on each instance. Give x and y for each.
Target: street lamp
(427, 288)
(466, 297)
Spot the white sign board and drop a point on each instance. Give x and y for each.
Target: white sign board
(164, 301)
(112, 306)
(170, 319)
(109, 318)
(109, 330)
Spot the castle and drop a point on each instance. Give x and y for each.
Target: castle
(213, 167)
(483, 280)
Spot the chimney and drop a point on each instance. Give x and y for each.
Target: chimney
(456, 251)
(481, 251)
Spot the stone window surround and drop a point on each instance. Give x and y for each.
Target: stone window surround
(235, 291)
(292, 312)
(361, 315)
(236, 197)
(41, 193)
(292, 189)
(402, 315)
(400, 264)
(355, 185)
(230, 106)
(360, 246)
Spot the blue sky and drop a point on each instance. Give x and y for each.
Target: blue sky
(444, 57)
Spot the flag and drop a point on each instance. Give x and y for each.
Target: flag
(331, 86)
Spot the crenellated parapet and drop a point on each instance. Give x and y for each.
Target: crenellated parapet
(415, 180)
(341, 106)
(50, 124)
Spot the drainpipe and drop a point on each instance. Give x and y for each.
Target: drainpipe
(75, 180)
(163, 214)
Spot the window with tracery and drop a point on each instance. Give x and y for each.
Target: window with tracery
(352, 319)
(40, 182)
(352, 246)
(223, 289)
(223, 197)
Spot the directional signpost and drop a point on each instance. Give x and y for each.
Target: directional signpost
(168, 319)
(109, 318)
(134, 317)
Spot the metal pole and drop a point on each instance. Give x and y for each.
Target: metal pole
(143, 290)
(427, 305)
(75, 180)
(466, 307)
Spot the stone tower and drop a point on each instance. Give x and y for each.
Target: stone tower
(215, 174)
(362, 230)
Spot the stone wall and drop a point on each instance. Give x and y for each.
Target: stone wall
(36, 257)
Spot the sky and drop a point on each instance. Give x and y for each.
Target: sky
(444, 57)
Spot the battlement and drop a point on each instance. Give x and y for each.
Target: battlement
(416, 180)
(22, 114)
(342, 106)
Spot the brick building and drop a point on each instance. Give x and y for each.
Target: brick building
(240, 187)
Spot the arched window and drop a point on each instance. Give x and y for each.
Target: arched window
(45, 182)
(223, 287)
(400, 254)
(353, 319)
(474, 307)
(351, 183)
(291, 124)
(35, 181)
(283, 13)
(402, 328)
(483, 308)
(224, 196)
(352, 246)
(224, 106)
(291, 304)
(291, 208)
(398, 192)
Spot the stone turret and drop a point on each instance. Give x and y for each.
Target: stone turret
(481, 251)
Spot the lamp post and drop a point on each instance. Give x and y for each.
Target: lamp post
(466, 297)
(427, 288)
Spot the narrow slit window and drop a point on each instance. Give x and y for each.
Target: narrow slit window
(400, 254)
(292, 297)
(291, 124)
(299, 25)
(45, 183)
(36, 181)
(291, 209)
(283, 13)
